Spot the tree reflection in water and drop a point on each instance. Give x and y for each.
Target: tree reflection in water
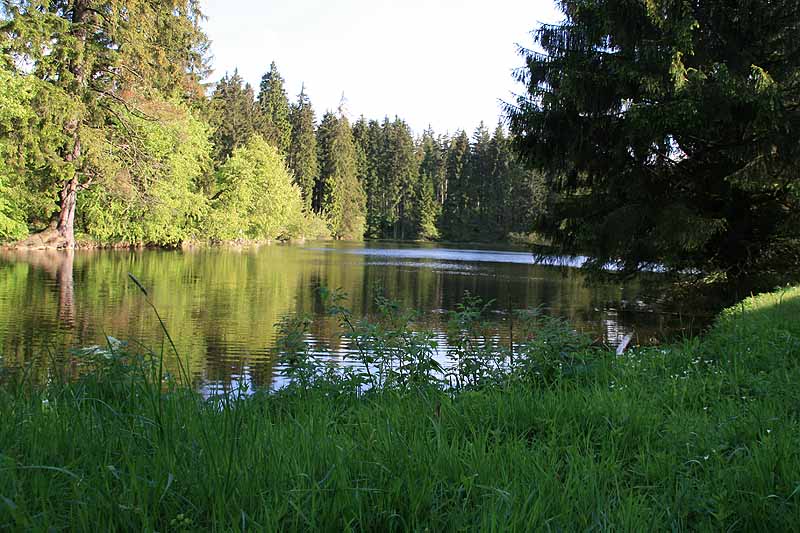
(221, 305)
(59, 265)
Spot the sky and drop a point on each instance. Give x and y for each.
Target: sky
(443, 63)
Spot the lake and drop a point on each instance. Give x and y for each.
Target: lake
(221, 304)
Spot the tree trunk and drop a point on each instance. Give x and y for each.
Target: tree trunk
(66, 216)
(69, 191)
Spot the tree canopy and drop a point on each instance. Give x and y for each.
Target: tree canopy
(302, 157)
(257, 199)
(340, 196)
(94, 58)
(108, 131)
(273, 106)
(667, 133)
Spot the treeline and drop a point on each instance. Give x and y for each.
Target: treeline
(107, 131)
(374, 178)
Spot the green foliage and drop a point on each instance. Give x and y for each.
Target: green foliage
(15, 112)
(232, 116)
(549, 349)
(31, 138)
(427, 210)
(302, 158)
(701, 435)
(390, 354)
(152, 168)
(487, 192)
(667, 134)
(432, 187)
(80, 130)
(400, 182)
(97, 55)
(257, 199)
(317, 226)
(273, 106)
(431, 183)
(477, 359)
(369, 139)
(338, 193)
(454, 210)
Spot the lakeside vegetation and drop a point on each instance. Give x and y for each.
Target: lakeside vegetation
(697, 435)
(666, 132)
(222, 305)
(654, 136)
(109, 131)
(657, 134)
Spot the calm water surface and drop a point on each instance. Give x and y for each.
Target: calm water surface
(221, 305)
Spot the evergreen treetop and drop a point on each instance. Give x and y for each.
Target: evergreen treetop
(273, 105)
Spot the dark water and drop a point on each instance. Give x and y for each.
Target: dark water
(221, 305)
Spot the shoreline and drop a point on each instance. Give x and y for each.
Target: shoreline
(700, 434)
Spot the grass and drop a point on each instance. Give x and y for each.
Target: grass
(699, 435)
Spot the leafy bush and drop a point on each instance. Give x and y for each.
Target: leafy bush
(317, 227)
(391, 353)
(152, 164)
(549, 349)
(256, 198)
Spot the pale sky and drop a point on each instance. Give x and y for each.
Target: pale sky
(440, 62)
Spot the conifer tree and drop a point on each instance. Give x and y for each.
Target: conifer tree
(326, 133)
(361, 140)
(479, 179)
(667, 131)
(232, 116)
(338, 193)
(440, 187)
(455, 209)
(386, 188)
(369, 140)
(302, 158)
(431, 175)
(528, 198)
(402, 172)
(273, 105)
(497, 190)
(96, 53)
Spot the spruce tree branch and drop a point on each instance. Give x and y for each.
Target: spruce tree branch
(133, 110)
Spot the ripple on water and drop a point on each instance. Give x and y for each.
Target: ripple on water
(221, 306)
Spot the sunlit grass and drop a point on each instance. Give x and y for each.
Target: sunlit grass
(702, 434)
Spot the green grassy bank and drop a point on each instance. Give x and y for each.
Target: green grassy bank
(699, 435)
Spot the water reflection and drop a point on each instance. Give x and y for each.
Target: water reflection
(221, 306)
(58, 264)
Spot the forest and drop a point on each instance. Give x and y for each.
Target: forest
(122, 141)
(641, 140)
